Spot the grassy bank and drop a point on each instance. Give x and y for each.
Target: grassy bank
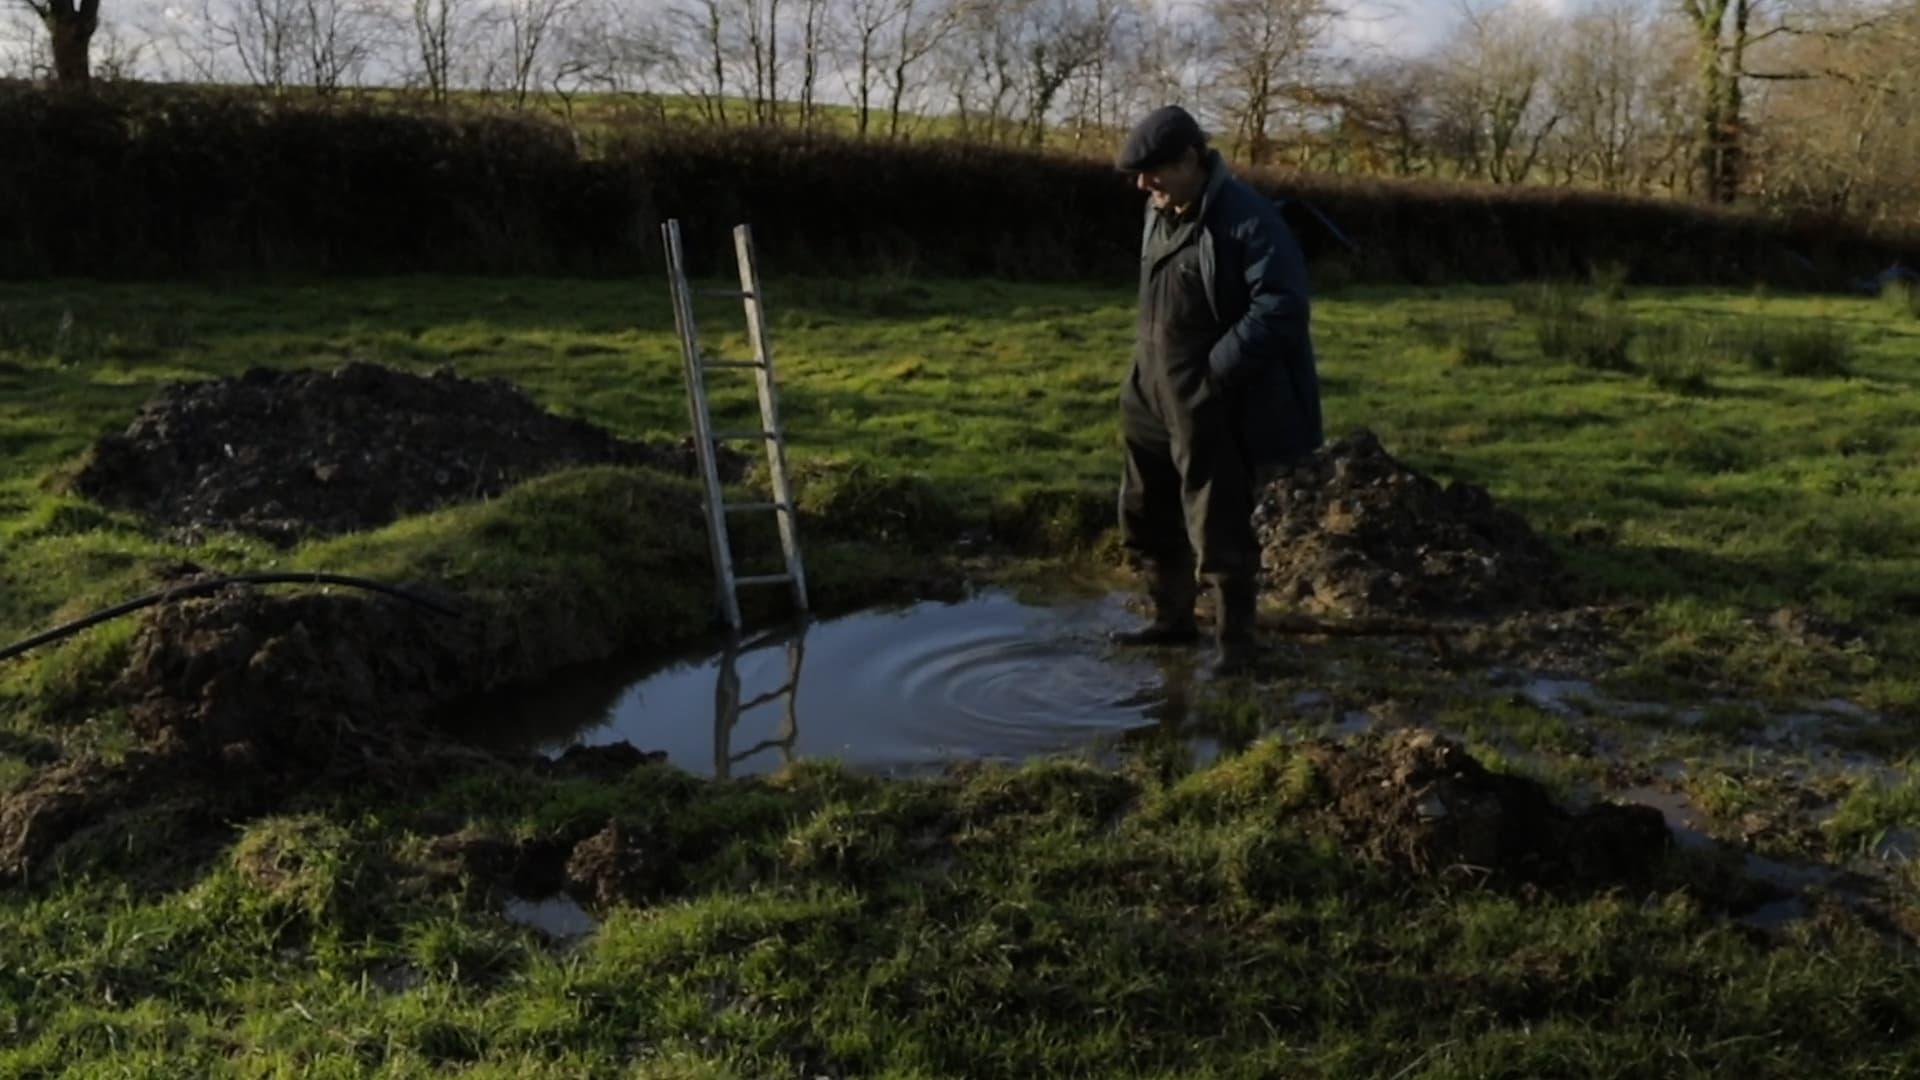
(1698, 474)
(1059, 921)
(1712, 457)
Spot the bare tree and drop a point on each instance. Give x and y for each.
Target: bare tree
(1097, 93)
(1173, 61)
(262, 36)
(70, 25)
(861, 27)
(1835, 125)
(1385, 114)
(1599, 87)
(1059, 39)
(529, 26)
(813, 55)
(1494, 110)
(24, 51)
(1723, 30)
(760, 20)
(1265, 52)
(702, 39)
(1726, 34)
(980, 68)
(917, 29)
(610, 46)
(439, 27)
(337, 39)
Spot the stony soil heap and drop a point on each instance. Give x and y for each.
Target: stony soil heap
(287, 454)
(1352, 531)
(1418, 801)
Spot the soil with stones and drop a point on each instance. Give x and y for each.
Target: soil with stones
(288, 454)
(1352, 531)
(1418, 801)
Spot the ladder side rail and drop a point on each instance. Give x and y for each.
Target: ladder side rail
(729, 601)
(770, 410)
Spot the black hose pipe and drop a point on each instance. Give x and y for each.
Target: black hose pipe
(213, 585)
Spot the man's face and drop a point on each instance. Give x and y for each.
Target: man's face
(1176, 185)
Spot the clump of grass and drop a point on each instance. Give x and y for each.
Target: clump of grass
(1871, 810)
(1610, 279)
(1565, 329)
(1791, 347)
(1605, 342)
(1473, 345)
(865, 502)
(1675, 357)
(1548, 301)
(1902, 299)
(1464, 340)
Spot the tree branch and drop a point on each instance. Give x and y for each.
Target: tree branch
(1837, 33)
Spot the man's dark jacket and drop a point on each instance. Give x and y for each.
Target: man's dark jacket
(1256, 282)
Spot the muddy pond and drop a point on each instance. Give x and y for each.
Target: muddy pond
(902, 691)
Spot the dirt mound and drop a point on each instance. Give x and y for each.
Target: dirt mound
(286, 454)
(1352, 531)
(282, 680)
(1418, 801)
(610, 762)
(614, 866)
(51, 806)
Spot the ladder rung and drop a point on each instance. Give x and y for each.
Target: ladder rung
(711, 364)
(731, 294)
(719, 435)
(763, 579)
(771, 695)
(747, 508)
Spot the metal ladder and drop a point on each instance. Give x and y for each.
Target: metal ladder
(706, 439)
(727, 706)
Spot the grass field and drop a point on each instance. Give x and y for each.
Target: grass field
(1713, 457)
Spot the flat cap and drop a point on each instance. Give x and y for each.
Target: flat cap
(1164, 135)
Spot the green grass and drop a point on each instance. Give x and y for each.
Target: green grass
(1874, 807)
(1722, 489)
(1902, 299)
(1148, 921)
(1055, 920)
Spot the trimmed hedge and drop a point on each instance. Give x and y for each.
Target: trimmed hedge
(170, 181)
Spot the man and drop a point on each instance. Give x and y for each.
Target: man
(1223, 385)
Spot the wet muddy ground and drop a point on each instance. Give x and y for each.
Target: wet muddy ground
(1486, 656)
(1007, 677)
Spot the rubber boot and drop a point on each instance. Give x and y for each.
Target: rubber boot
(1233, 630)
(1172, 594)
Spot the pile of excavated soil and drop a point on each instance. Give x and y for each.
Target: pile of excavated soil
(1420, 802)
(287, 454)
(280, 681)
(1352, 531)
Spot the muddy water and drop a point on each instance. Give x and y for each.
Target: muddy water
(989, 678)
(558, 917)
(1793, 880)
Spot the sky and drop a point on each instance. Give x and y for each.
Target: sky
(1392, 27)
(1411, 27)
(1407, 27)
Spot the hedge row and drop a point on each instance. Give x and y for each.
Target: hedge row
(153, 182)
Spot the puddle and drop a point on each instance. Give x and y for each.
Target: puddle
(1793, 880)
(1560, 696)
(894, 691)
(1354, 723)
(1679, 811)
(557, 916)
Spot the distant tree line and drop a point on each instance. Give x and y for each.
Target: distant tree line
(1799, 102)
